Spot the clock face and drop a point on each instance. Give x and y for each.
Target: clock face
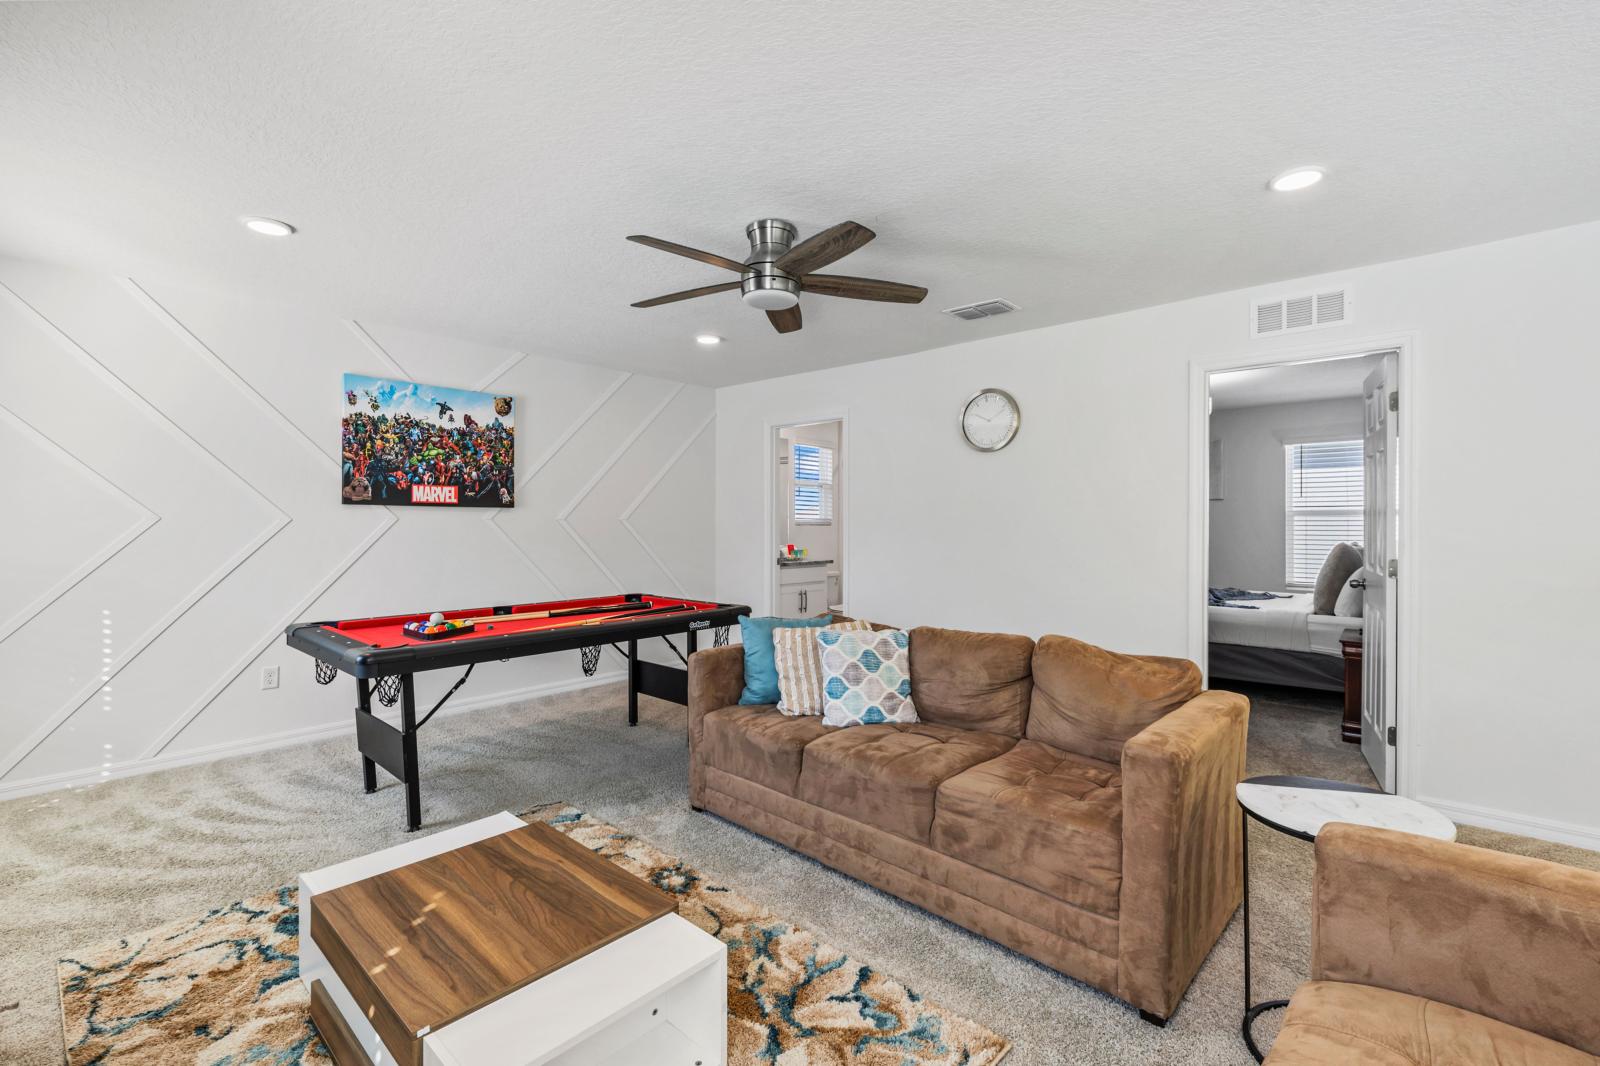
(990, 420)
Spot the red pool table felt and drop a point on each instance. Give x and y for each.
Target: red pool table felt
(389, 632)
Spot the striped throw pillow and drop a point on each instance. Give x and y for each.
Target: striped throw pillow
(800, 667)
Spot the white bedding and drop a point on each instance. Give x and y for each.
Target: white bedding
(1287, 624)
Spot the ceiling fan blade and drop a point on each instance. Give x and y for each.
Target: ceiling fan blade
(785, 321)
(688, 294)
(820, 249)
(863, 288)
(690, 253)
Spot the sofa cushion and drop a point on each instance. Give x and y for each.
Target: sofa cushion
(886, 775)
(972, 680)
(1359, 1025)
(1091, 701)
(759, 744)
(1045, 817)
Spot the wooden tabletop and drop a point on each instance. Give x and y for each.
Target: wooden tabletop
(423, 945)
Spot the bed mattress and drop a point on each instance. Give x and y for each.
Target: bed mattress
(1287, 624)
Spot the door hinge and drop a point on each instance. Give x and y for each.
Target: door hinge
(1394, 567)
(1391, 736)
(1394, 401)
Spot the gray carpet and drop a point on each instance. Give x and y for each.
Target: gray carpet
(77, 867)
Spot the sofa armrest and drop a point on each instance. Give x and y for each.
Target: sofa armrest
(1513, 938)
(716, 679)
(1180, 846)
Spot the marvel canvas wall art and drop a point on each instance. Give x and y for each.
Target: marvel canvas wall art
(428, 445)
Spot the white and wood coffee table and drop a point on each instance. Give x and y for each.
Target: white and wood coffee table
(499, 943)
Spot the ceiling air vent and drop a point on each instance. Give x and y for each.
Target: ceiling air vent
(1292, 314)
(986, 309)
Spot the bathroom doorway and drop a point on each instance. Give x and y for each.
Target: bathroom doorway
(808, 576)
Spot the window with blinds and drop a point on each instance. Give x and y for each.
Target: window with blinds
(811, 468)
(1323, 498)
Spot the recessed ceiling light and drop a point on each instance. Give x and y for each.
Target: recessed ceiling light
(1296, 178)
(710, 340)
(267, 227)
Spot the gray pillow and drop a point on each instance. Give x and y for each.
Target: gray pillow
(1341, 565)
(1351, 602)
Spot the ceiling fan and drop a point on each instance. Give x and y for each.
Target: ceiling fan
(777, 270)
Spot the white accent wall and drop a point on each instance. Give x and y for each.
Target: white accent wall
(1248, 548)
(1081, 525)
(171, 487)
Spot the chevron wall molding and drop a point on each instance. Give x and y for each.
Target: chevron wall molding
(180, 449)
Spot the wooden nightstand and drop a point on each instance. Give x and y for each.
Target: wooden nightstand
(1350, 642)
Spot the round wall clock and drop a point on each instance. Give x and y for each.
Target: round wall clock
(990, 419)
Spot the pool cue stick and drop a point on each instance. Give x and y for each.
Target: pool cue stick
(557, 613)
(677, 608)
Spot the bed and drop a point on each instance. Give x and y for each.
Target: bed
(1279, 643)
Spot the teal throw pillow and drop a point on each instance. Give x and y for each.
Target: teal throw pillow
(760, 668)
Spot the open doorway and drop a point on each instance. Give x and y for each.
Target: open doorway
(808, 574)
(1302, 533)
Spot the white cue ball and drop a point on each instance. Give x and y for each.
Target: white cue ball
(435, 618)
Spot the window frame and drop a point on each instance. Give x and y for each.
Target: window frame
(1290, 443)
(828, 502)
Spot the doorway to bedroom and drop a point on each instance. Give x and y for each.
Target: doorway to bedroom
(1301, 553)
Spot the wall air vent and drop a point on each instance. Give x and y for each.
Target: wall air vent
(986, 309)
(1292, 314)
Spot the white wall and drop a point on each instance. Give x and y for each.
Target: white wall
(1080, 526)
(1247, 524)
(171, 465)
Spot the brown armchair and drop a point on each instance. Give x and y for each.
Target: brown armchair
(1433, 953)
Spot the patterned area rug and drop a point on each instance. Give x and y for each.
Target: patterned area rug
(223, 989)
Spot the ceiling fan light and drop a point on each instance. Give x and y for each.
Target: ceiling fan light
(770, 299)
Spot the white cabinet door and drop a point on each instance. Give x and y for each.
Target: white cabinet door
(803, 599)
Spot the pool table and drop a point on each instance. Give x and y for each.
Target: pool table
(384, 654)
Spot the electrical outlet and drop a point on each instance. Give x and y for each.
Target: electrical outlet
(269, 677)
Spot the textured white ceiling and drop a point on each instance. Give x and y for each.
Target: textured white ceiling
(472, 168)
(1328, 379)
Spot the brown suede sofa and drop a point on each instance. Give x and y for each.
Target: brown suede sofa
(1428, 953)
(1071, 803)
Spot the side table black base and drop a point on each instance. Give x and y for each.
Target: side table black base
(1250, 1017)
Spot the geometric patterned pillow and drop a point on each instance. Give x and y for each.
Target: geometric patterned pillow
(794, 649)
(866, 677)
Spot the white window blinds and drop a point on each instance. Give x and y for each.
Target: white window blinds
(811, 467)
(1323, 504)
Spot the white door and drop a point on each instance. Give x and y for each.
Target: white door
(1382, 523)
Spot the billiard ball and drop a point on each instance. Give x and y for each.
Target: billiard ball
(435, 618)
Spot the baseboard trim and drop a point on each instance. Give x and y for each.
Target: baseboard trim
(135, 767)
(1581, 836)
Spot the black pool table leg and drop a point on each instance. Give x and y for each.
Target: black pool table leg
(369, 769)
(408, 752)
(633, 682)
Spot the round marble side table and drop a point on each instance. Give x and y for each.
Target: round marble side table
(1300, 807)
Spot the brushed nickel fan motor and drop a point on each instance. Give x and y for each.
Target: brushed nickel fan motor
(765, 286)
